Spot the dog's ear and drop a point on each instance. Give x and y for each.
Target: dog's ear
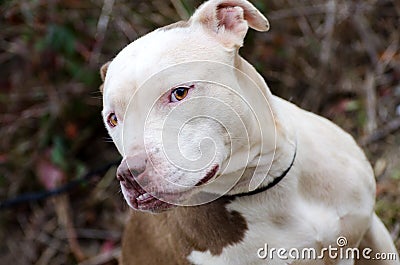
(103, 73)
(229, 20)
(103, 70)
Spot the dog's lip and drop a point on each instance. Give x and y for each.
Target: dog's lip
(152, 204)
(210, 174)
(140, 199)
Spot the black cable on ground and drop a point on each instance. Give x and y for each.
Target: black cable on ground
(37, 196)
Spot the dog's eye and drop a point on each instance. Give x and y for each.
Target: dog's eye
(112, 120)
(179, 93)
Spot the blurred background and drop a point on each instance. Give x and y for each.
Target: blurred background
(338, 58)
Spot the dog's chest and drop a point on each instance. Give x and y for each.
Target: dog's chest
(302, 226)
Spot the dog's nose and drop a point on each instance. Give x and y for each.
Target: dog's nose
(131, 166)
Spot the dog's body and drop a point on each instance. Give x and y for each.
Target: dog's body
(311, 208)
(327, 188)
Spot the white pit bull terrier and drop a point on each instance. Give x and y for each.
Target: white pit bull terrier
(218, 169)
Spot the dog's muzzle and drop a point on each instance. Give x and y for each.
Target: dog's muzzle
(130, 173)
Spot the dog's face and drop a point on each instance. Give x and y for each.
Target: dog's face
(173, 103)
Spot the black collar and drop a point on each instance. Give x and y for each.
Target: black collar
(270, 185)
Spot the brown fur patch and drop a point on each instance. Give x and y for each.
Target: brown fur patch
(103, 73)
(168, 238)
(103, 70)
(179, 24)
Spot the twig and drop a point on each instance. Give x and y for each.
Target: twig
(52, 241)
(101, 187)
(367, 35)
(297, 11)
(388, 55)
(17, 251)
(65, 220)
(180, 9)
(101, 30)
(370, 97)
(52, 247)
(16, 120)
(384, 131)
(329, 26)
(304, 26)
(103, 257)
(126, 28)
(92, 234)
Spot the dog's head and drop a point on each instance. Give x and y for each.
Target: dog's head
(174, 108)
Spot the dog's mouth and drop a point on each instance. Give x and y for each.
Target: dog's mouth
(140, 199)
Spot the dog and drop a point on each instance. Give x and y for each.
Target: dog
(220, 171)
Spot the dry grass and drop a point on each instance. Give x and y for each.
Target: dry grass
(337, 58)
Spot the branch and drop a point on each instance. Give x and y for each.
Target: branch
(381, 133)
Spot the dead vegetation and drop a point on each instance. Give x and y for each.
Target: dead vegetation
(337, 58)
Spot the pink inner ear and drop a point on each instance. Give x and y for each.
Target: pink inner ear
(230, 17)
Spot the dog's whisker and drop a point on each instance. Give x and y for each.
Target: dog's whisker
(107, 140)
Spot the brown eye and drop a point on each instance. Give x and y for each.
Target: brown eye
(179, 93)
(112, 120)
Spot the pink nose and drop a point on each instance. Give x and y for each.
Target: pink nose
(131, 166)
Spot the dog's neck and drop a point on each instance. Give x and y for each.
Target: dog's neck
(282, 152)
(265, 186)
